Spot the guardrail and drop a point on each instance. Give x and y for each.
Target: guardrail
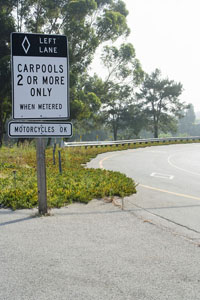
(129, 142)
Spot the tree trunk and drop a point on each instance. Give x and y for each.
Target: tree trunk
(1, 136)
(114, 131)
(1, 126)
(115, 135)
(155, 131)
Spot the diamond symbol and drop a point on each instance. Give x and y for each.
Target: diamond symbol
(26, 45)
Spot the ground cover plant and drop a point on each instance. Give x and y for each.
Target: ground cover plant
(18, 179)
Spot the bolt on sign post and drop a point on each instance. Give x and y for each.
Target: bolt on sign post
(40, 93)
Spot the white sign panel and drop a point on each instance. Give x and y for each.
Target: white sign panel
(40, 76)
(39, 129)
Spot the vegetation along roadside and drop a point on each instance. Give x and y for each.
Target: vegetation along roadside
(18, 178)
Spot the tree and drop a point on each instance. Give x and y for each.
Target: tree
(124, 73)
(160, 101)
(87, 24)
(6, 27)
(132, 120)
(187, 123)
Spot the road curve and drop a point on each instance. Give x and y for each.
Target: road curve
(168, 180)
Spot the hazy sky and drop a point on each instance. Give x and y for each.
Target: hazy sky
(166, 35)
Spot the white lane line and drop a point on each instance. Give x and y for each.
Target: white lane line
(150, 187)
(160, 175)
(181, 169)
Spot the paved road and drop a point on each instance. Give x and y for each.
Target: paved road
(97, 251)
(168, 177)
(94, 251)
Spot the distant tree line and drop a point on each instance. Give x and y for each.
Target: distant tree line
(123, 103)
(189, 125)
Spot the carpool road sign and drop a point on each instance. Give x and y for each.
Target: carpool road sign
(40, 85)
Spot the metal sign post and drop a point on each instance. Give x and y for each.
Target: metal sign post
(41, 177)
(40, 91)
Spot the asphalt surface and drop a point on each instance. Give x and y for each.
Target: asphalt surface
(168, 178)
(98, 251)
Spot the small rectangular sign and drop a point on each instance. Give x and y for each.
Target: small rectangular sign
(40, 76)
(39, 129)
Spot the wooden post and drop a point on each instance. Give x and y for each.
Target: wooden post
(41, 177)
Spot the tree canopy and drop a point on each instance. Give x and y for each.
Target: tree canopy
(93, 100)
(6, 27)
(123, 73)
(87, 24)
(187, 124)
(160, 102)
